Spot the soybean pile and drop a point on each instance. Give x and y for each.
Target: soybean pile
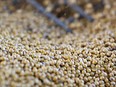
(35, 54)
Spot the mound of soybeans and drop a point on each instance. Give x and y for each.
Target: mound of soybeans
(36, 54)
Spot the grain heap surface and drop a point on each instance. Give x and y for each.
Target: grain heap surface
(34, 54)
